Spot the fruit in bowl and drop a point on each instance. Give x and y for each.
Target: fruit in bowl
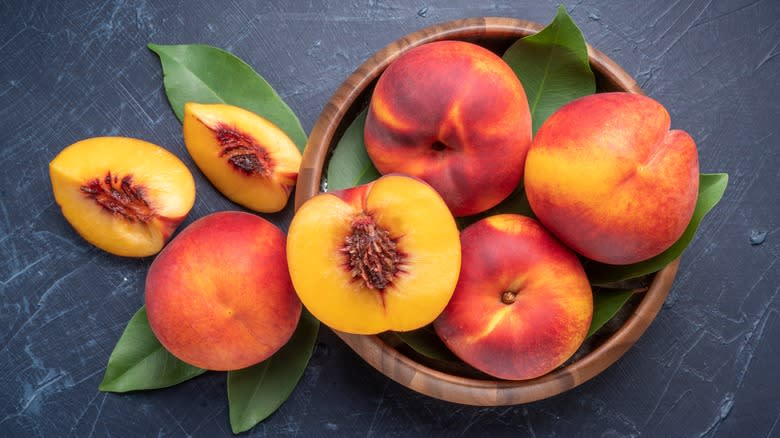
(607, 177)
(522, 305)
(455, 115)
(395, 360)
(381, 256)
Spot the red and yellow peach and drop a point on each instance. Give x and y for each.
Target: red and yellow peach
(219, 295)
(455, 115)
(522, 305)
(609, 179)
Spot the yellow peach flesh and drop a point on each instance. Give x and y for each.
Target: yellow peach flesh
(166, 185)
(265, 161)
(426, 238)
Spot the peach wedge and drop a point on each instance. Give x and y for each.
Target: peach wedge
(246, 157)
(381, 256)
(123, 195)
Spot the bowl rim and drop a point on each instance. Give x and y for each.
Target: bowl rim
(387, 359)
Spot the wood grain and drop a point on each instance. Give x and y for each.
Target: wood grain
(497, 34)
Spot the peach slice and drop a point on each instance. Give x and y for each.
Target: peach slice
(123, 195)
(219, 295)
(522, 305)
(381, 256)
(247, 158)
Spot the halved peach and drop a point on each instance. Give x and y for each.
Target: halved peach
(123, 195)
(381, 256)
(247, 158)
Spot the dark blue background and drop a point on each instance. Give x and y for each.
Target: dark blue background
(708, 365)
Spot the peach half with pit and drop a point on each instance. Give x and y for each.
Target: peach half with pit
(381, 256)
(523, 304)
(123, 195)
(219, 295)
(455, 115)
(607, 176)
(245, 156)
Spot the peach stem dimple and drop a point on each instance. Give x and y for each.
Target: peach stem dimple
(372, 254)
(508, 297)
(438, 146)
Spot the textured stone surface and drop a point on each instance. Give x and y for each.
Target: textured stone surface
(706, 367)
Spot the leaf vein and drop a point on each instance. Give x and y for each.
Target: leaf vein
(546, 72)
(195, 75)
(256, 389)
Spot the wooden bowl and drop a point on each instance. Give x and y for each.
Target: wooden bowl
(429, 378)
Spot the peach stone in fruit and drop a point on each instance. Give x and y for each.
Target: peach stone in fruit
(123, 195)
(455, 115)
(219, 295)
(381, 256)
(523, 304)
(247, 158)
(608, 178)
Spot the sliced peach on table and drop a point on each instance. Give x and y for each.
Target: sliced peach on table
(246, 157)
(381, 256)
(123, 195)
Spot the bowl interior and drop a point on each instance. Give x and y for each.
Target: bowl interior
(462, 384)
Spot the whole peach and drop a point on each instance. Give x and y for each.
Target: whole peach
(609, 179)
(522, 305)
(219, 296)
(455, 115)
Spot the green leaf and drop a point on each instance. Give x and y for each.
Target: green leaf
(711, 188)
(205, 74)
(606, 303)
(139, 361)
(350, 165)
(553, 67)
(256, 392)
(516, 203)
(426, 342)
